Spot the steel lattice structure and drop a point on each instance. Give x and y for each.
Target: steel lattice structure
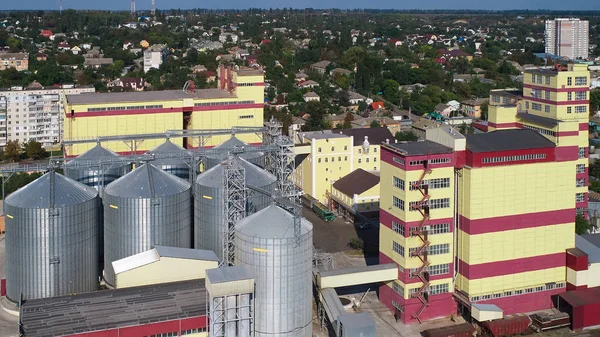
(234, 204)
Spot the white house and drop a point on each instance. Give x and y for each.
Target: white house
(455, 105)
(311, 96)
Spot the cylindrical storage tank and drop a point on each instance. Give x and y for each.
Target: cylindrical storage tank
(212, 160)
(147, 207)
(88, 168)
(52, 243)
(209, 217)
(176, 166)
(266, 246)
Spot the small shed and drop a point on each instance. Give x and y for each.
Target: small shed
(163, 265)
(357, 325)
(485, 312)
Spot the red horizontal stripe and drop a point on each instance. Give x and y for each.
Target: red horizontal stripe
(567, 133)
(164, 110)
(584, 126)
(566, 153)
(507, 267)
(572, 287)
(520, 221)
(532, 86)
(550, 102)
(228, 107)
(504, 125)
(511, 305)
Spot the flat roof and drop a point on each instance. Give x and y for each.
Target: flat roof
(507, 140)
(421, 148)
(228, 274)
(353, 270)
(539, 120)
(486, 307)
(375, 135)
(109, 309)
(577, 298)
(323, 134)
(356, 182)
(357, 321)
(186, 253)
(589, 244)
(146, 96)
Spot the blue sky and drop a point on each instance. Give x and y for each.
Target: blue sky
(241, 4)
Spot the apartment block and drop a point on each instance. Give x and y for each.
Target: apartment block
(18, 61)
(567, 37)
(154, 56)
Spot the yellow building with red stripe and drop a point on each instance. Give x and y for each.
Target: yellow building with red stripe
(509, 198)
(238, 101)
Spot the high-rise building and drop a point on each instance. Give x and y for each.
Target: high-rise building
(567, 37)
(155, 56)
(488, 218)
(34, 113)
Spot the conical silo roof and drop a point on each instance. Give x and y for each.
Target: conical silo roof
(168, 147)
(36, 194)
(147, 181)
(255, 176)
(234, 142)
(271, 222)
(97, 152)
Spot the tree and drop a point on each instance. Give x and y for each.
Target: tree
(34, 150)
(406, 136)
(348, 120)
(271, 94)
(375, 124)
(12, 151)
(595, 100)
(582, 226)
(362, 106)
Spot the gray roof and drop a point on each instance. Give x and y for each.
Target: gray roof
(361, 269)
(590, 244)
(228, 274)
(109, 309)
(333, 303)
(271, 222)
(422, 148)
(147, 181)
(362, 320)
(97, 152)
(539, 120)
(356, 182)
(186, 253)
(507, 140)
(255, 176)
(376, 135)
(168, 147)
(146, 96)
(234, 142)
(36, 194)
(486, 307)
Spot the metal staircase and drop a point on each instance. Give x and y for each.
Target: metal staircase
(421, 252)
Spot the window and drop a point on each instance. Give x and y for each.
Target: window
(398, 289)
(580, 168)
(580, 197)
(398, 160)
(547, 80)
(397, 306)
(536, 106)
(166, 334)
(399, 183)
(438, 289)
(503, 159)
(332, 149)
(438, 269)
(319, 150)
(359, 151)
(345, 147)
(432, 203)
(582, 152)
(439, 228)
(569, 96)
(398, 248)
(398, 228)
(581, 109)
(581, 96)
(359, 161)
(319, 160)
(580, 182)
(547, 94)
(439, 249)
(430, 161)
(398, 203)
(192, 331)
(345, 158)
(526, 105)
(536, 93)
(532, 78)
(569, 110)
(569, 80)
(375, 149)
(339, 158)
(367, 160)
(326, 160)
(546, 108)
(539, 79)
(580, 80)
(431, 183)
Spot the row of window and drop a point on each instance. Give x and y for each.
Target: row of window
(535, 106)
(580, 197)
(580, 168)
(580, 182)
(504, 159)
(223, 103)
(542, 131)
(431, 183)
(432, 203)
(192, 331)
(579, 96)
(433, 270)
(540, 78)
(397, 202)
(547, 286)
(581, 153)
(359, 150)
(431, 229)
(133, 107)
(430, 161)
(443, 248)
(398, 160)
(432, 289)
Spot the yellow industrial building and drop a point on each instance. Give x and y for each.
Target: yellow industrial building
(485, 221)
(238, 101)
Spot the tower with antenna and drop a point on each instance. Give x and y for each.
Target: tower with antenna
(132, 7)
(154, 9)
(60, 6)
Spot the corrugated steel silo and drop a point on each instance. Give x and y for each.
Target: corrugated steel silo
(209, 219)
(256, 158)
(52, 243)
(147, 207)
(266, 246)
(178, 167)
(95, 173)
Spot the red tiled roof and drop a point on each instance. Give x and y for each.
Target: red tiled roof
(377, 105)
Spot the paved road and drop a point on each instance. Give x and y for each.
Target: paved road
(8, 323)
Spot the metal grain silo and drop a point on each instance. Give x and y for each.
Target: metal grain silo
(147, 207)
(175, 166)
(52, 238)
(256, 158)
(209, 218)
(89, 170)
(265, 245)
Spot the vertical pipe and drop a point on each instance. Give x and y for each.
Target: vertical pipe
(455, 230)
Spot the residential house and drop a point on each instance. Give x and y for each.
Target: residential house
(86, 46)
(128, 84)
(241, 54)
(155, 56)
(76, 50)
(46, 33)
(41, 56)
(387, 122)
(340, 71)
(301, 77)
(311, 96)
(127, 45)
(472, 107)
(412, 87)
(63, 45)
(225, 58)
(467, 77)
(198, 69)
(307, 84)
(354, 98)
(454, 104)
(93, 54)
(320, 66)
(454, 54)
(443, 109)
(18, 61)
(377, 105)
(506, 97)
(225, 36)
(97, 62)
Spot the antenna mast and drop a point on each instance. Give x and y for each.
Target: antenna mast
(60, 6)
(153, 8)
(132, 7)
